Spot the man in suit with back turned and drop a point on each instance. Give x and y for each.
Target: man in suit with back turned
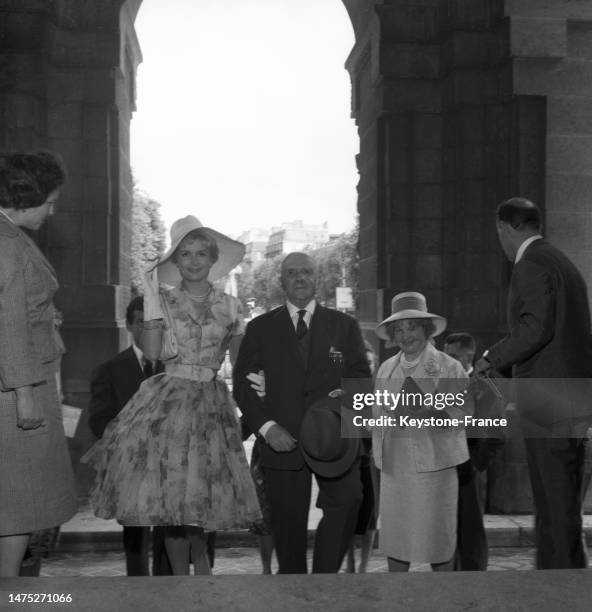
(304, 350)
(549, 348)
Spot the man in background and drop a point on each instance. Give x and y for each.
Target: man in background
(472, 551)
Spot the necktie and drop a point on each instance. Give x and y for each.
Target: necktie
(148, 369)
(301, 328)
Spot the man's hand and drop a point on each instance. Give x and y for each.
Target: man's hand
(280, 439)
(483, 366)
(29, 415)
(257, 380)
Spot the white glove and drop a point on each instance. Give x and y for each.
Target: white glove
(150, 286)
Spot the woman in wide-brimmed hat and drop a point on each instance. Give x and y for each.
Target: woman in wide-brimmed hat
(418, 485)
(174, 454)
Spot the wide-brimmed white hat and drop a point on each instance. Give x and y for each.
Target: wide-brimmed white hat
(230, 254)
(410, 305)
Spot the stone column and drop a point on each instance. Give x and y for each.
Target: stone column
(551, 43)
(67, 70)
(443, 138)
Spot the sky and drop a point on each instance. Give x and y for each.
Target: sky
(243, 112)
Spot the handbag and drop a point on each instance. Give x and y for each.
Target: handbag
(169, 347)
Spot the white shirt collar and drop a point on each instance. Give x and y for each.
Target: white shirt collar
(7, 216)
(522, 248)
(293, 311)
(139, 355)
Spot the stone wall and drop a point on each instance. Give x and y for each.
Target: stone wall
(67, 73)
(443, 138)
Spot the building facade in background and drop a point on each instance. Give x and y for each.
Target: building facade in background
(295, 236)
(255, 241)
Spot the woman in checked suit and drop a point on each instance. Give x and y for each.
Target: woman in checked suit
(36, 481)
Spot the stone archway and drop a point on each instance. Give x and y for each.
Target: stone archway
(458, 103)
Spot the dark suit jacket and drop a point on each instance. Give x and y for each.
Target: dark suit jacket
(113, 384)
(270, 344)
(549, 337)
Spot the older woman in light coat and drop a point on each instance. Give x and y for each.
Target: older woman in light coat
(419, 485)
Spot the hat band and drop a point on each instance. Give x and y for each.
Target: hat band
(409, 303)
(328, 455)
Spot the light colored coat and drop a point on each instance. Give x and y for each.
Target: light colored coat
(433, 448)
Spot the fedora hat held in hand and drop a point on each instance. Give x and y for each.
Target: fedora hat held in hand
(409, 305)
(230, 255)
(326, 451)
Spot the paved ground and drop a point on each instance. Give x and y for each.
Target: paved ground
(92, 547)
(246, 561)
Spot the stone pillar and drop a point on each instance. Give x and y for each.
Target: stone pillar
(443, 138)
(551, 47)
(459, 105)
(551, 43)
(67, 74)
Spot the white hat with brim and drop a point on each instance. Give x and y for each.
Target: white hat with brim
(410, 305)
(230, 253)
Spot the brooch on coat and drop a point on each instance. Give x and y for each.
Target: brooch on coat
(432, 367)
(336, 357)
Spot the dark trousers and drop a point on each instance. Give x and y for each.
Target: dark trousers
(136, 544)
(471, 550)
(288, 493)
(556, 468)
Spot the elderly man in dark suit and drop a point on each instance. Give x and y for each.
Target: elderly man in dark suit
(113, 384)
(549, 348)
(304, 351)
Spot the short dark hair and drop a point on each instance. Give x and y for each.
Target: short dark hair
(18, 187)
(137, 303)
(521, 214)
(27, 179)
(48, 169)
(465, 340)
(208, 239)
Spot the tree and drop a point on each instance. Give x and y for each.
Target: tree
(337, 264)
(148, 236)
(267, 290)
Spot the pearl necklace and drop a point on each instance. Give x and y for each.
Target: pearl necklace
(199, 298)
(405, 363)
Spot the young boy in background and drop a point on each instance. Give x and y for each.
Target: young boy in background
(472, 551)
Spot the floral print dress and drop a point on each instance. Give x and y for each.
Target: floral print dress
(173, 455)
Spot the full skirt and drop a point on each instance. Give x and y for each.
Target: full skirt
(174, 456)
